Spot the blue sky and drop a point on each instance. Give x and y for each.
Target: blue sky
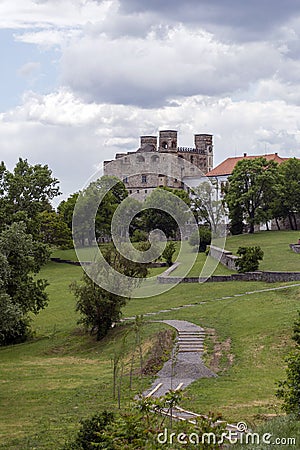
(25, 67)
(83, 79)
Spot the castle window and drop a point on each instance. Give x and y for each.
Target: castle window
(146, 191)
(144, 178)
(164, 144)
(192, 158)
(154, 158)
(130, 191)
(137, 191)
(175, 180)
(173, 144)
(140, 158)
(125, 179)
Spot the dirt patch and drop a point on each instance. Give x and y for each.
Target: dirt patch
(218, 353)
(159, 352)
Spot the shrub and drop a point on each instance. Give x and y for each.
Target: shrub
(289, 389)
(92, 434)
(249, 258)
(139, 236)
(168, 252)
(200, 239)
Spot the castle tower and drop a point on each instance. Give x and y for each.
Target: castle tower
(204, 146)
(168, 141)
(149, 142)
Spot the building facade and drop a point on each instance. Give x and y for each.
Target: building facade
(139, 170)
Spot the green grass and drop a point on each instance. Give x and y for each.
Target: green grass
(63, 375)
(277, 253)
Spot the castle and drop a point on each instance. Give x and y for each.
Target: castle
(129, 166)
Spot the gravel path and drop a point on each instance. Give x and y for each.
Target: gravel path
(186, 364)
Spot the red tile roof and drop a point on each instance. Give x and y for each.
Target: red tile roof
(226, 167)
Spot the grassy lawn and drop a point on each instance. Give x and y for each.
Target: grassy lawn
(258, 327)
(278, 255)
(63, 375)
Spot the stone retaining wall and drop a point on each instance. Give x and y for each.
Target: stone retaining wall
(224, 256)
(268, 277)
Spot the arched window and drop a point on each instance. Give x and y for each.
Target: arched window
(154, 158)
(164, 144)
(140, 158)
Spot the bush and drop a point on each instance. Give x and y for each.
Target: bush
(200, 239)
(168, 252)
(92, 433)
(289, 389)
(139, 236)
(249, 259)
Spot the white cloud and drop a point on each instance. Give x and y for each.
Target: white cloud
(49, 13)
(29, 69)
(147, 72)
(73, 137)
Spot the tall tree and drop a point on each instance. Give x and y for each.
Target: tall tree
(21, 293)
(289, 198)
(253, 185)
(161, 207)
(206, 205)
(98, 307)
(93, 217)
(25, 192)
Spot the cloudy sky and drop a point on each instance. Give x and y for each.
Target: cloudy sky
(83, 79)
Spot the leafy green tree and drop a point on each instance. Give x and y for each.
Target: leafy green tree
(86, 225)
(53, 230)
(287, 204)
(158, 203)
(289, 389)
(21, 293)
(249, 258)
(25, 192)
(253, 185)
(66, 208)
(168, 252)
(200, 239)
(98, 307)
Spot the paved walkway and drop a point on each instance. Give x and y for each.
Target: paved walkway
(186, 364)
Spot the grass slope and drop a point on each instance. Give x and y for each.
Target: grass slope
(62, 375)
(275, 244)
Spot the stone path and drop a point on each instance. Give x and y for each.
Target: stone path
(186, 364)
(243, 294)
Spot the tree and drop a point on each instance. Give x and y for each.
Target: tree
(206, 205)
(253, 185)
(249, 258)
(25, 195)
(25, 192)
(200, 239)
(66, 208)
(94, 219)
(168, 252)
(100, 308)
(53, 230)
(287, 203)
(21, 293)
(160, 205)
(289, 389)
